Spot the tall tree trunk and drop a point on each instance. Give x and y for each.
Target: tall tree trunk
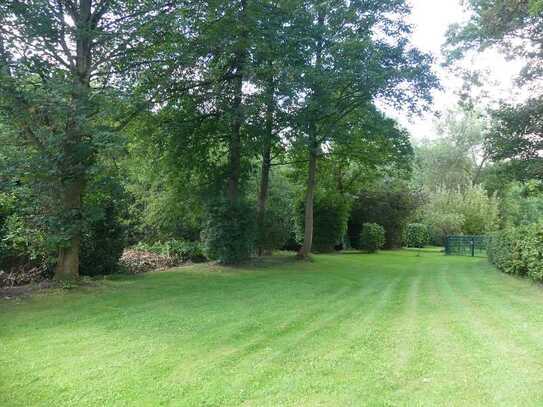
(305, 250)
(67, 267)
(74, 165)
(234, 145)
(264, 187)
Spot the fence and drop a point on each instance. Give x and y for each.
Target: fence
(466, 246)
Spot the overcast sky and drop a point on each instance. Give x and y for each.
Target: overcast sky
(431, 19)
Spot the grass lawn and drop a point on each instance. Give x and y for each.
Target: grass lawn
(348, 329)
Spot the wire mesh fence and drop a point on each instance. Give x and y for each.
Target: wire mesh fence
(474, 246)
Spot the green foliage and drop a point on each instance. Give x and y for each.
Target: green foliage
(390, 204)
(157, 87)
(442, 225)
(179, 250)
(277, 229)
(372, 237)
(330, 216)
(416, 235)
(230, 231)
(536, 6)
(511, 26)
(457, 158)
(279, 219)
(102, 241)
(470, 211)
(522, 203)
(20, 242)
(518, 251)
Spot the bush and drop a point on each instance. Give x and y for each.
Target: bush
(102, 243)
(330, 217)
(372, 237)
(230, 232)
(278, 225)
(103, 234)
(518, 251)
(275, 232)
(23, 251)
(416, 235)
(443, 225)
(391, 205)
(469, 211)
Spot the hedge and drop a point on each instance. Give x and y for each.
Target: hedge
(518, 251)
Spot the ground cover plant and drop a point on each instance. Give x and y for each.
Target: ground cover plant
(393, 328)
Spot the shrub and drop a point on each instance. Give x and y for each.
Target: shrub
(372, 237)
(442, 225)
(275, 232)
(102, 243)
(518, 251)
(230, 232)
(23, 251)
(468, 211)
(391, 205)
(416, 235)
(329, 221)
(278, 225)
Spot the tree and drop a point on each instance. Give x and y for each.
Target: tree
(517, 136)
(58, 69)
(457, 159)
(346, 67)
(275, 61)
(514, 27)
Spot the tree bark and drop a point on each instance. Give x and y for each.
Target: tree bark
(263, 191)
(305, 250)
(67, 267)
(74, 165)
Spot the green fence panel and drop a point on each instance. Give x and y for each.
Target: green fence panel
(466, 246)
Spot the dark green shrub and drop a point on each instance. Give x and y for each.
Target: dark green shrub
(372, 237)
(102, 242)
(103, 231)
(329, 220)
(276, 230)
(390, 205)
(278, 225)
(416, 235)
(230, 232)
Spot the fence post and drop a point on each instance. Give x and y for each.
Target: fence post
(472, 247)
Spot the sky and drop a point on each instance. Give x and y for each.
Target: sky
(430, 20)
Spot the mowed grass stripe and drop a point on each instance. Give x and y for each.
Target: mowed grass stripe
(506, 366)
(397, 328)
